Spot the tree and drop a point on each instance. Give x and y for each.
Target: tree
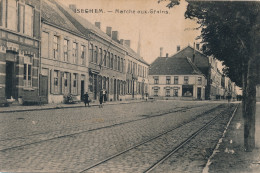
(230, 33)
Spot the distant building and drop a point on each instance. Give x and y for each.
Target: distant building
(19, 48)
(208, 67)
(176, 77)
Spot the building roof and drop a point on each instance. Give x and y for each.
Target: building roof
(51, 14)
(85, 27)
(173, 66)
(133, 54)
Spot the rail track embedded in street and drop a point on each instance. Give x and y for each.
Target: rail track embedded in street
(156, 137)
(143, 117)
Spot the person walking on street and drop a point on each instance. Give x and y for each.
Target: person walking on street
(101, 98)
(85, 97)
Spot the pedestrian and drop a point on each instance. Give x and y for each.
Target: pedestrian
(100, 99)
(146, 96)
(86, 100)
(229, 98)
(105, 95)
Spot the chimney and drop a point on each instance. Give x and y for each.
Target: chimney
(122, 41)
(97, 24)
(167, 55)
(178, 48)
(128, 43)
(161, 51)
(109, 31)
(73, 7)
(115, 35)
(197, 46)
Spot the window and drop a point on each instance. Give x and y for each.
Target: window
(168, 79)
(65, 49)
(55, 47)
(112, 61)
(74, 52)
(96, 54)
(128, 67)
(28, 22)
(155, 92)
(118, 64)
(91, 52)
(108, 60)
(122, 65)
(74, 86)
(100, 61)
(115, 63)
(12, 15)
(82, 55)
(199, 80)
(176, 79)
(105, 58)
(27, 77)
(66, 76)
(175, 92)
(167, 94)
(186, 79)
(45, 45)
(156, 80)
(56, 81)
(21, 18)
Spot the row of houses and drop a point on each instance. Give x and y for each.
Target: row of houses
(47, 52)
(188, 74)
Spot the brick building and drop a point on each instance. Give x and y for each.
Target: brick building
(64, 63)
(107, 58)
(19, 48)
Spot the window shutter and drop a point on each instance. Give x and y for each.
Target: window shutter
(62, 83)
(36, 24)
(51, 82)
(21, 14)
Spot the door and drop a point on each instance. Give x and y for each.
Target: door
(198, 93)
(82, 89)
(10, 80)
(115, 89)
(44, 88)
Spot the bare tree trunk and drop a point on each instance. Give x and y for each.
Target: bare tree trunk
(250, 105)
(244, 82)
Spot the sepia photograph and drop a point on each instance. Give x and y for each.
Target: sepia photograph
(129, 86)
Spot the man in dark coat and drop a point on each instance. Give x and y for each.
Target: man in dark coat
(85, 97)
(101, 98)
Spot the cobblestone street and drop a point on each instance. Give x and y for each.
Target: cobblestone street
(74, 139)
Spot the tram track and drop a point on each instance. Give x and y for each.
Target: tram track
(156, 137)
(143, 117)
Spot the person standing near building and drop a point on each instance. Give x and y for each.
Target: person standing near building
(105, 95)
(85, 97)
(101, 99)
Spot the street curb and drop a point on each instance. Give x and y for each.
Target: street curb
(206, 168)
(65, 107)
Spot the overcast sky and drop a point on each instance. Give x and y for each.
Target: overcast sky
(156, 30)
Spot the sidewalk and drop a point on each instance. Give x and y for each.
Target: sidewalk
(21, 108)
(230, 156)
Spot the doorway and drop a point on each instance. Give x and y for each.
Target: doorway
(82, 89)
(198, 93)
(10, 80)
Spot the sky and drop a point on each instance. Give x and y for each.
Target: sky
(155, 24)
